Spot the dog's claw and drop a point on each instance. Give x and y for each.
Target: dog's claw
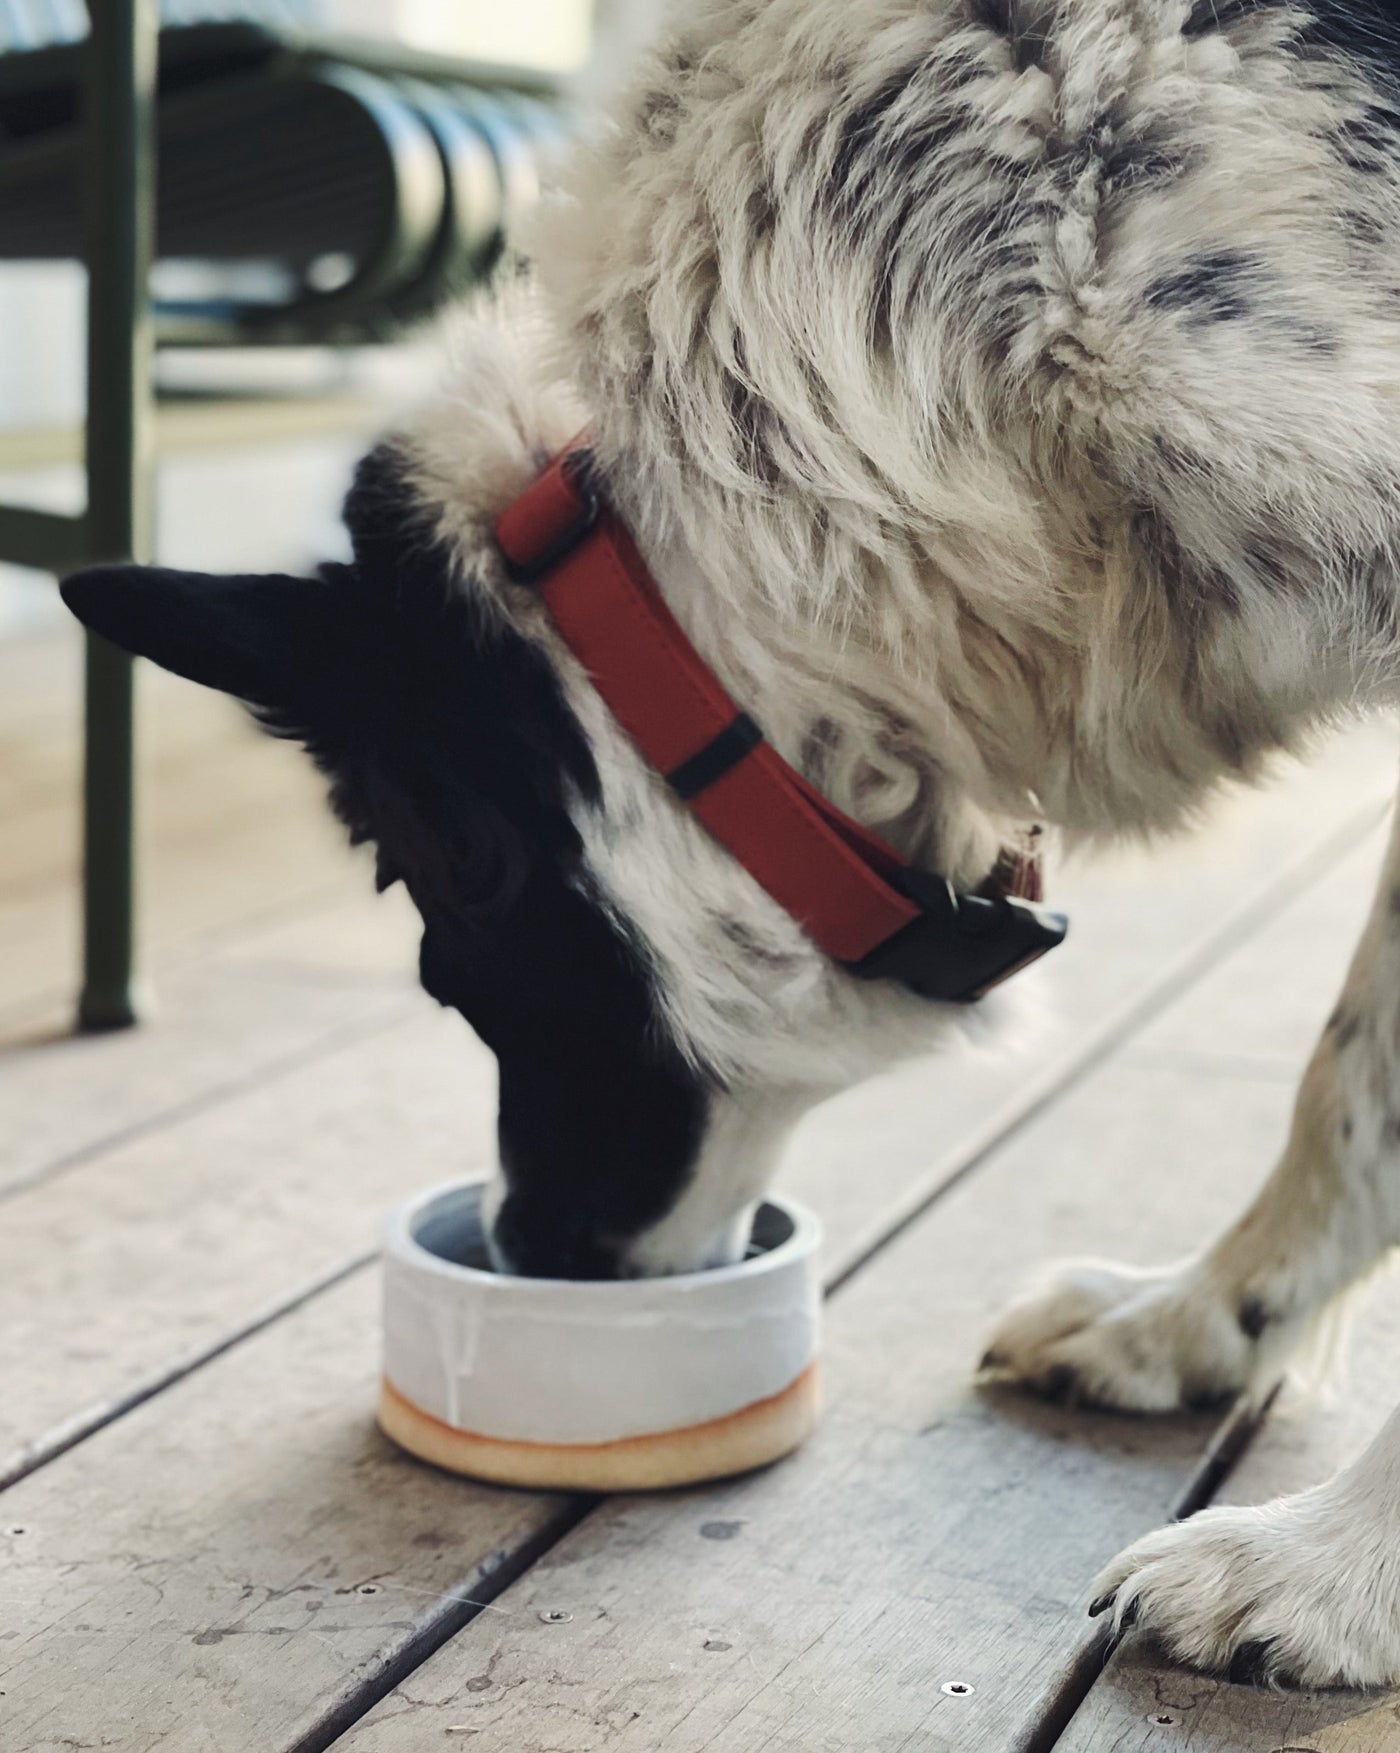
(991, 1359)
(1101, 1603)
(1251, 1663)
(1060, 1385)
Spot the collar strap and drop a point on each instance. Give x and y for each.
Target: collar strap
(856, 897)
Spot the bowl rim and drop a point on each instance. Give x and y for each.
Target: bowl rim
(401, 1243)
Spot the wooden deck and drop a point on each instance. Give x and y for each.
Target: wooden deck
(205, 1545)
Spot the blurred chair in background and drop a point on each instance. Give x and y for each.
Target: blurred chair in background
(312, 188)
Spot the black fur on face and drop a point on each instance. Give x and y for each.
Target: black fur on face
(448, 744)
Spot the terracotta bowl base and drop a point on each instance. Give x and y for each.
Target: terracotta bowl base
(751, 1437)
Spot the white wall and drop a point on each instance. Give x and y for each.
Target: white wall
(546, 33)
(41, 344)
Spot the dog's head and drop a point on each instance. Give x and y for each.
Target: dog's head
(449, 746)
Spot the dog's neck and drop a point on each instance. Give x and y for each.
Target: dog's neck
(948, 683)
(841, 702)
(836, 704)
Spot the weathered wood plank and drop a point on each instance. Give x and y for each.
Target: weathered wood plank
(256, 1005)
(121, 1271)
(929, 1535)
(274, 858)
(238, 827)
(1141, 1705)
(214, 1571)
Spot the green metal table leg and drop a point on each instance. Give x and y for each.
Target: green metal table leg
(120, 186)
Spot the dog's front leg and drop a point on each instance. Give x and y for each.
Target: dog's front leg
(1304, 1590)
(1228, 1319)
(1306, 1587)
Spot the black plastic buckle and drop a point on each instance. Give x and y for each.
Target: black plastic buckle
(580, 478)
(962, 945)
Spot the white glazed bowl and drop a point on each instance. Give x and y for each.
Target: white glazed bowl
(596, 1386)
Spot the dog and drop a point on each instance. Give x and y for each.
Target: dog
(1005, 398)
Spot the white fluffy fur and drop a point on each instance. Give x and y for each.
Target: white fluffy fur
(1309, 1585)
(1007, 398)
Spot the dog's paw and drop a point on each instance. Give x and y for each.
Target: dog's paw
(1138, 1341)
(1303, 1591)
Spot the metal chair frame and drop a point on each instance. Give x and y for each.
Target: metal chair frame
(116, 524)
(434, 244)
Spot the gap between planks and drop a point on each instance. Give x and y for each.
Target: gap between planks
(264, 1000)
(1139, 1703)
(389, 1011)
(1252, 917)
(60, 1438)
(390, 1015)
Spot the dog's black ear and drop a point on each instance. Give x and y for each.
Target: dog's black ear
(261, 637)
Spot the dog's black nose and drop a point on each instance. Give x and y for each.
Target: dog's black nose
(535, 1243)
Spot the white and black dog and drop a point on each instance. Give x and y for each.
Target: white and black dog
(1006, 397)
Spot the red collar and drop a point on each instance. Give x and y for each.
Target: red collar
(854, 895)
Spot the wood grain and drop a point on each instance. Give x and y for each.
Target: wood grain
(216, 1570)
(1145, 924)
(928, 1535)
(120, 1272)
(257, 1004)
(251, 1482)
(1141, 1705)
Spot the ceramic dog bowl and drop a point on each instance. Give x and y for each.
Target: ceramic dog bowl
(596, 1386)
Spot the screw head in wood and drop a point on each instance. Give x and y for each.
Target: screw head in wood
(957, 1688)
(555, 1616)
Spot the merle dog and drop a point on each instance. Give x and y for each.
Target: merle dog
(1006, 397)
